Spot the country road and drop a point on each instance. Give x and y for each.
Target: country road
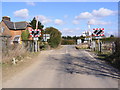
(65, 68)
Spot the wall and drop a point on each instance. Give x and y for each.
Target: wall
(6, 29)
(14, 33)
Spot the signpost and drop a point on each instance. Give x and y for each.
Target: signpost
(46, 37)
(35, 34)
(97, 33)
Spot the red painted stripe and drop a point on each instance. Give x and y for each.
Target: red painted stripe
(31, 35)
(102, 34)
(96, 28)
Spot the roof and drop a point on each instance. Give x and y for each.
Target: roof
(7, 16)
(16, 25)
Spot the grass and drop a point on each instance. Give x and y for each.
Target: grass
(110, 59)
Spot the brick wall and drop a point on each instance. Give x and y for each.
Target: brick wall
(6, 29)
(12, 33)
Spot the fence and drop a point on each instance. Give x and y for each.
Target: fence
(105, 47)
(10, 51)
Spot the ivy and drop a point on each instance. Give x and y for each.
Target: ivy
(25, 35)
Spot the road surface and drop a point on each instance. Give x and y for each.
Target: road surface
(65, 68)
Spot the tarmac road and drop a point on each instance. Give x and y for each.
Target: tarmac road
(65, 68)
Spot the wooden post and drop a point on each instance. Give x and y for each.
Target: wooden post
(33, 48)
(99, 45)
(35, 45)
(113, 47)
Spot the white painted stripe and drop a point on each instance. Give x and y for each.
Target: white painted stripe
(90, 55)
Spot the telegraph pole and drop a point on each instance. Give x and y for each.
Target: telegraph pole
(36, 38)
(35, 33)
(90, 34)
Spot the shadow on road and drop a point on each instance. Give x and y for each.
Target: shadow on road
(85, 65)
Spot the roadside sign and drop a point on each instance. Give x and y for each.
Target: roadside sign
(98, 32)
(35, 38)
(46, 37)
(78, 41)
(35, 33)
(31, 31)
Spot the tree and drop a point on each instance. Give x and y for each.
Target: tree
(69, 37)
(111, 35)
(82, 38)
(33, 23)
(55, 36)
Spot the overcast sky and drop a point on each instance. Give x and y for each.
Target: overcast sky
(70, 18)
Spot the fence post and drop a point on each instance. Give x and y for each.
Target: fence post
(93, 45)
(38, 46)
(32, 46)
(113, 47)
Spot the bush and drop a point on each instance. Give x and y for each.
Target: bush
(68, 42)
(55, 37)
(114, 58)
(25, 35)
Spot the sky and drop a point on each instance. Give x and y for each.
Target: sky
(71, 18)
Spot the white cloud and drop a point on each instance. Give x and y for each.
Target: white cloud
(22, 13)
(98, 22)
(58, 22)
(95, 16)
(44, 19)
(30, 3)
(71, 31)
(102, 12)
(75, 22)
(84, 15)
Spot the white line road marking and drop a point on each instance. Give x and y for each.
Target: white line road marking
(90, 55)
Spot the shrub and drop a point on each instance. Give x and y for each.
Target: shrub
(68, 42)
(25, 35)
(114, 58)
(55, 37)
